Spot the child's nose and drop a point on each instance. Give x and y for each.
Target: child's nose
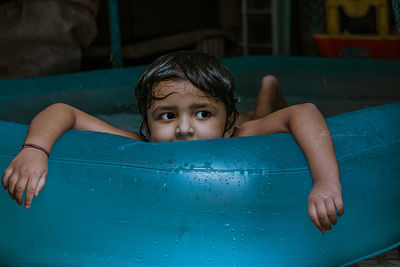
(184, 127)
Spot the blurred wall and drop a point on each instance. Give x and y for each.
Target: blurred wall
(44, 37)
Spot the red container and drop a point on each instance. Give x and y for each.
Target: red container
(358, 46)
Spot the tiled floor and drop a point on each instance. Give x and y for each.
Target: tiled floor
(390, 258)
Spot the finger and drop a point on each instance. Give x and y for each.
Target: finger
(330, 208)
(339, 204)
(20, 188)
(312, 212)
(30, 191)
(41, 184)
(11, 184)
(6, 175)
(322, 215)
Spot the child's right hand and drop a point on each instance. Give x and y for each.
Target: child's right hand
(27, 170)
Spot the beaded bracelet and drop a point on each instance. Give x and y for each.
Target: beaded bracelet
(37, 147)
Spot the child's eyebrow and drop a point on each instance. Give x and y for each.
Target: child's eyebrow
(194, 106)
(163, 108)
(201, 105)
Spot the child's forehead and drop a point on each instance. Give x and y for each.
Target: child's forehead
(183, 87)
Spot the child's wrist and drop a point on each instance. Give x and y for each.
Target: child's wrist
(36, 147)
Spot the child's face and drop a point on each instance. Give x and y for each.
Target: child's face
(186, 113)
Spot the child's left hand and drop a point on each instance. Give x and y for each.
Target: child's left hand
(323, 199)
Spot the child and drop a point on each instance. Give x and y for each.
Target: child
(189, 95)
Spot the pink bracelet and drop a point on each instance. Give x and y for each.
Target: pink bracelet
(37, 147)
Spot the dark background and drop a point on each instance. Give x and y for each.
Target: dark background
(46, 37)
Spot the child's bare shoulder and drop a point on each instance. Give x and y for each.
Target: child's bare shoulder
(272, 123)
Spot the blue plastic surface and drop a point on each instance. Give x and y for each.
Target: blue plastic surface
(111, 201)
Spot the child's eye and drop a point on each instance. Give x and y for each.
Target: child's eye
(167, 116)
(203, 114)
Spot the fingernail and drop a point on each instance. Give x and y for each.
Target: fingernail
(27, 206)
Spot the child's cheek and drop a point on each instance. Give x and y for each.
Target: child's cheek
(162, 133)
(209, 131)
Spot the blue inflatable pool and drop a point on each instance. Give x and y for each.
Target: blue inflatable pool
(112, 201)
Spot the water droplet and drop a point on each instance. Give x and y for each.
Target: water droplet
(227, 225)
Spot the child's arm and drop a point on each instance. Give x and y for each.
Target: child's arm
(309, 129)
(29, 168)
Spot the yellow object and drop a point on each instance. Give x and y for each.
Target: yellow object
(356, 9)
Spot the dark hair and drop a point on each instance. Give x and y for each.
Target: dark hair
(202, 70)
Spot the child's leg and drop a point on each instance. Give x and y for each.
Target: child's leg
(269, 99)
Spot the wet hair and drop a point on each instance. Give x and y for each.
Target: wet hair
(202, 70)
